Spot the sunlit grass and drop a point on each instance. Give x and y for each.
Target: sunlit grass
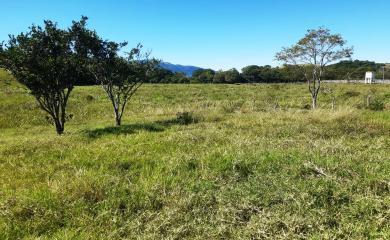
(251, 163)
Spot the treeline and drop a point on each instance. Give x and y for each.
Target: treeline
(354, 70)
(343, 70)
(249, 74)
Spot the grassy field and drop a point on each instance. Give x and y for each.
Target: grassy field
(247, 162)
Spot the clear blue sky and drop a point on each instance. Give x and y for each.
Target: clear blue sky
(219, 34)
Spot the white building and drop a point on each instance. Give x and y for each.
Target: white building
(370, 78)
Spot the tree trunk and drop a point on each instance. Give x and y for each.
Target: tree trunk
(118, 118)
(368, 103)
(314, 101)
(117, 121)
(59, 126)
(314, 90)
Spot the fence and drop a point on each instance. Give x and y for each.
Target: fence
(377, 81)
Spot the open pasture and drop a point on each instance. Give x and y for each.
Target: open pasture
(197, 161)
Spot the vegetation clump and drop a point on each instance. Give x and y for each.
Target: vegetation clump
(376, 105)
(186, 118)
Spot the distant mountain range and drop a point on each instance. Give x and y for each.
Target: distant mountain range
(187, 70)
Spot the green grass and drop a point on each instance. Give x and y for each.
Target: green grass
(253, 164)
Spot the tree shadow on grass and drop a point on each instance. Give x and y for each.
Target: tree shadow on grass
(124, 129)
(127, 129)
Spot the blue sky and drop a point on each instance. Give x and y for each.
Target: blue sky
(219, 34)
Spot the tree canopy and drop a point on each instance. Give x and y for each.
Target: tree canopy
(120, 76)
(49, 61)
(316, 50)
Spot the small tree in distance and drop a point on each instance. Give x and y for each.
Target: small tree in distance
(48, 61)
(204, 75)
(121, 77)
(313, 53)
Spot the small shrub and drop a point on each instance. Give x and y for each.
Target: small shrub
(306, 106)
(191, 165)
(242, 170)
(185, 118)
(89, 98)
(376, 105)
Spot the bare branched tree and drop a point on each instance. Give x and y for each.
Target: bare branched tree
(313, 53)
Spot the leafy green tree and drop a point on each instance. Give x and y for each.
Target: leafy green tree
(313, 53)
(160, 75)
(232, 76)
(265, 74)
(49, 61)
(229, 76)
(178, 77)
(270, 75)
(251, 74)
(120, 77)
(204, 75)
(219, 77)
(291, 73)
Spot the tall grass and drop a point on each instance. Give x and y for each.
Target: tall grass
(247, 162)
